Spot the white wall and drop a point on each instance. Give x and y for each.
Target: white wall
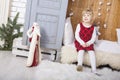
(14, 7)
(4, 11)
(18, 6)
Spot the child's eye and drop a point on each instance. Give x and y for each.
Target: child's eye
(88, 15)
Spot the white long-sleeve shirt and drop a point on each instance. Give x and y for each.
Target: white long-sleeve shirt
(77, 37)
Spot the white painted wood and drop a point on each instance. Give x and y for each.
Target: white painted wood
(18, 6)
(4, 11)
(50, 14)
(18, 48)
(19, 52)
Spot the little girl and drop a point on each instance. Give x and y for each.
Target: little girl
(85, 36)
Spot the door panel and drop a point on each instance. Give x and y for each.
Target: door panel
(50, 14)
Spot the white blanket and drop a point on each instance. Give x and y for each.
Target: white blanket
(107, 52)
(107, 46)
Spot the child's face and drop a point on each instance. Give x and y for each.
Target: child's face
(87, 17)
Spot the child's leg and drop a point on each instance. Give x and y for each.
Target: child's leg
(92, 60)
(80, 57)
(80, 60)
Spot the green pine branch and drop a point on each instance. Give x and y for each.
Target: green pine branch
(10, 31)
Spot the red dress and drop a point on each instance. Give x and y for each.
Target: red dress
(85, 34)
(36, 52)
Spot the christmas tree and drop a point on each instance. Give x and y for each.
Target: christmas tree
(10, 31)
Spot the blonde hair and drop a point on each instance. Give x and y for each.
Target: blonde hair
(87, 11)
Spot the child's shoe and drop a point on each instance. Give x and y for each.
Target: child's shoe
(79, 68)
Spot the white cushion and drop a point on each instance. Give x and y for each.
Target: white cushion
(68, 32)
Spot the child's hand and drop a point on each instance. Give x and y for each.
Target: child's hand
(84, 45)
(87, 45)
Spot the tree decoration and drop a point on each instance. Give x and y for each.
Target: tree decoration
(108, 4)
(10, 31)
(100, 3)
(71, 10)
(99, 14)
